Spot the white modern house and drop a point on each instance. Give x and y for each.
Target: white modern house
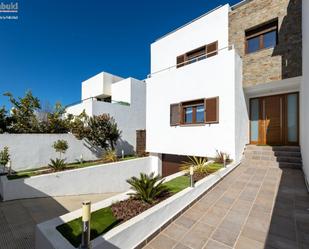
(225, 80)
(123, 99)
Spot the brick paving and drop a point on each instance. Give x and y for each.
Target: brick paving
(257, 206)
(18, 218)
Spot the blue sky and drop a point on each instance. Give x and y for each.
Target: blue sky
(55, 45)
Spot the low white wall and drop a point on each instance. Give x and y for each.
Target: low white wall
(30, 151)
(131, 233)
(103, 178)
(304, 94)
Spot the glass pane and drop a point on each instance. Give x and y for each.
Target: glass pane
(254, 119)
(292, 117)
(270, 39)
(200, 113)
(188, 114)
(253, 44)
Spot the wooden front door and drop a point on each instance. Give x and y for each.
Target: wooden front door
(274, 120)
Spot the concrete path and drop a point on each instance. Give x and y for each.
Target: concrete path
(255, 207)
(18, 218)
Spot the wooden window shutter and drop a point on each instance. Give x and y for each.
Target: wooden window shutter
(174, 114)
(180, 59)
(212, 110)
(212, 49)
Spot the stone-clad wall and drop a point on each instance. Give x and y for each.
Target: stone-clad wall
(283, 61)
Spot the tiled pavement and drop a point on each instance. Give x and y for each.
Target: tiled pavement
(18, 218)
(257, 206)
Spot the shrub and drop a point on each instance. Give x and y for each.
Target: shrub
(220, 157)
(198, 163)
(4, 156)
(23, 119)
(61, 146)
(102, 131)
(147, 188)
(57, 165)
(4, 120)
(110, 156)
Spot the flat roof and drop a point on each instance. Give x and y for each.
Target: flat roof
(188, 23)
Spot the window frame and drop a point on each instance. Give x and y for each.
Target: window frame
(259, 32)
(194, 104)
(203, 53)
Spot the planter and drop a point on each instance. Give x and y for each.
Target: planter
(136, 230)
(104, 178)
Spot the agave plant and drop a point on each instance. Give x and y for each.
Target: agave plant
(148, 187)
(57, 165)
(199, 164)
(110, 156)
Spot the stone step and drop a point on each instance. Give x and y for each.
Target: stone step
(287, 165)
(273, 158)
(272, 153)
(273, 148)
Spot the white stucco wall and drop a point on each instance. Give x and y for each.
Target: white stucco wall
(99, 84)
(105, 178)
(207, 29)
(129, 118)
(121, 90)
(211, 77)
(304, 97)
(241, 112)
(30, 151)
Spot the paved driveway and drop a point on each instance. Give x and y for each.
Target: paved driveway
(255, 207)
(18, 218)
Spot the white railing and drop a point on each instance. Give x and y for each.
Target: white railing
(199, 58)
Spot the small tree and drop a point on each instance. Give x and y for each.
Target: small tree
(23, 119)
(102, 131)
(61, 146)
(4, 156)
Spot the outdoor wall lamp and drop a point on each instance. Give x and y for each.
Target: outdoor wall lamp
(86, 215)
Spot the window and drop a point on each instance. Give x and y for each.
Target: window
(201, 111)
(198, 54)
(262, 37)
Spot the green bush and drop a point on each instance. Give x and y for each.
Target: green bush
(199, 164)
(148, 187)
(57, 165)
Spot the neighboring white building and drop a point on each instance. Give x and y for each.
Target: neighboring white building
(219, 83)
(123, 99)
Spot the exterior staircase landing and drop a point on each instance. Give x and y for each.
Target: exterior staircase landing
(276, 156)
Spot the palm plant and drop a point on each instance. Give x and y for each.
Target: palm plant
(110, 156)
(199, 164)
(57, 165)
(148, 187)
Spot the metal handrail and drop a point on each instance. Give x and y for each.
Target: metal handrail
(201, 57)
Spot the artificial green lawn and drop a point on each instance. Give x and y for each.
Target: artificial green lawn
(35, 172)
(101, 221)
(178, 184)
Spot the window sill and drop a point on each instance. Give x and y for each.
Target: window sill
(198, 124)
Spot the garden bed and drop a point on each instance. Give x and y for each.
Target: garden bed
(107, 218)
(134, 232)
(69, 166)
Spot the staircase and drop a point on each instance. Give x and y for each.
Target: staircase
(278, 156)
